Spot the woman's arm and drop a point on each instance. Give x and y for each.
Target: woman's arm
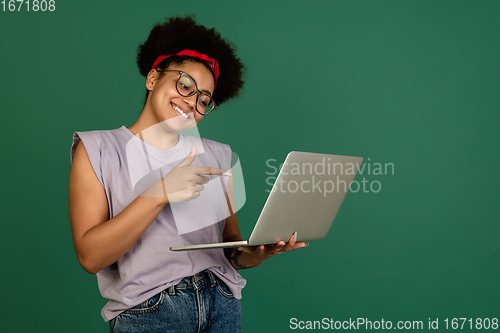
(232, 234)
(232, 229)
(100, 241)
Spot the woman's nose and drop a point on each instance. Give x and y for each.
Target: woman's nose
(191, 101)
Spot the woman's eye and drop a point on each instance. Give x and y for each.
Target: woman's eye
(185, 85)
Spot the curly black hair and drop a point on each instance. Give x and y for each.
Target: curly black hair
(179, 33)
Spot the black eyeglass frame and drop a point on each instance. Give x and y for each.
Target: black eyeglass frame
(191, 94)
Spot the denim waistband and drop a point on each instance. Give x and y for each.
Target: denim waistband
(195, 281)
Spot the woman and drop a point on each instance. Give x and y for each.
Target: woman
(132, 195)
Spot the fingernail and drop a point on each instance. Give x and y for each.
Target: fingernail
(295, 236)
(240, 249)
(307, 244)
(193, 145)
(227, 173)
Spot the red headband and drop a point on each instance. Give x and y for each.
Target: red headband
(195, 54)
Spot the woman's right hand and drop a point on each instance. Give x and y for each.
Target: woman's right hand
(184, 182)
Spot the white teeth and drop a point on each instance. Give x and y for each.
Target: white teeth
(180, 111)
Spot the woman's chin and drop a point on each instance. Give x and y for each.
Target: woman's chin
(178, 124)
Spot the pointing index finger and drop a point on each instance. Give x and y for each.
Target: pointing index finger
(199, 170)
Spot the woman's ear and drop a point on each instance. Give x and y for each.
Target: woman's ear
(151, 79)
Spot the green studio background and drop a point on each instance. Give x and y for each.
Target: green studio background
(412, 83)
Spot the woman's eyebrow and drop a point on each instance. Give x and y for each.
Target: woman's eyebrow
(207, 92)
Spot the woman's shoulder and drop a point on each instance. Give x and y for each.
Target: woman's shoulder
(102, 133)
(96, 139)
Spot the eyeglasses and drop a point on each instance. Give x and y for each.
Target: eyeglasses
(186, 86)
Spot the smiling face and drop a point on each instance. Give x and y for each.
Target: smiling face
(165, 105)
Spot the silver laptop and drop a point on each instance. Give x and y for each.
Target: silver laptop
(305, 198)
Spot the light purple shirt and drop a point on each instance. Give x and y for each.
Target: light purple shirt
(149, 266)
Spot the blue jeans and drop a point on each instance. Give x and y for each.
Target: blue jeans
(199, 303)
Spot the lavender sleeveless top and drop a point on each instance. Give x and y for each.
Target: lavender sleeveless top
(149, 266)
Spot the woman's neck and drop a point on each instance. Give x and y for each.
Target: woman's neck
(153, 134)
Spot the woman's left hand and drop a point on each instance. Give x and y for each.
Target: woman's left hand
(255, 255)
